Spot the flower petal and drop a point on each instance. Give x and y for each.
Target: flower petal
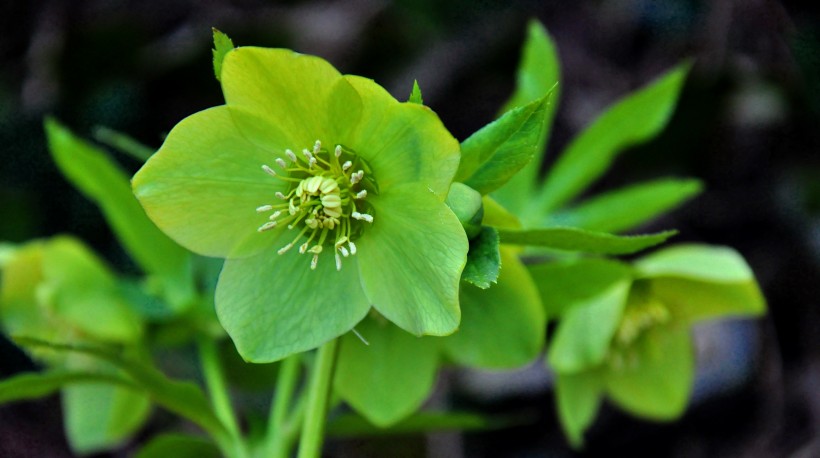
(502, 326)
(391, 376)
(403, 142)
(411, 260)
(273, 306)
(300, 94)
(203, 185)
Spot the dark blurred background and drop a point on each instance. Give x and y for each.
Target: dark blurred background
(748, 125)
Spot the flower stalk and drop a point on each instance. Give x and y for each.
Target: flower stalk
(310, 443)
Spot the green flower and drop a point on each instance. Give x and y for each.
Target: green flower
(624, 330)
(326, 196)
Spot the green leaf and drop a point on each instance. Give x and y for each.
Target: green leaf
(585, 331)
(497, 216)
(500, 149)
(388, 378)
(122, 143)
(99, 417)
(351, 425)
(178, 446)
(503, 326)
(571, 239)
(27, 386)
(415, 95)
(563, 284)
(626, 208)
(656, 377)
(483, 259)
(578, 397)
(696, 262)
(538, 75)
(183, 398)
(692, 301)
(102, 181)
(467, 205)
(222, 45)
(633, 120)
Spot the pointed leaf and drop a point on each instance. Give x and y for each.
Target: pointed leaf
(634, 119)
(415, 95)
(696, 262)
(483, 259)
(500, 149)
(538, 75)
(627, 208)
(571, 239)
(222, 45)
(585, 331)
(578, 397)
(388, 378)
(101, 180)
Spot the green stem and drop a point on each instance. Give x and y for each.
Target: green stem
(218, 391)
(310, 444)
(277, 445)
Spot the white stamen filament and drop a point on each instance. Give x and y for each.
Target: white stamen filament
(275, 215)
(344, 251)
(338, 151)
(346, 166)
(338, 262)
(268, 170)
(290, 155)
(264, 208)
(267, 226)
(362, 217)
(281, 163)
(317, 146)
(314, 262)
(279, 195)
(352, 247)
(285, 248)
(361, 194)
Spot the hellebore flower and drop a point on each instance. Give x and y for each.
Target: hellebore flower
(324, 194)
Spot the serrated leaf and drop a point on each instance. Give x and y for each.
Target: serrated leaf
(182, 398)
(388, 378)
(415, 94)
(563, 284)
(634, 119)
(578, 397)
(222, 45)
(178, 446)
(584, 334)
(500, 149)
(351, 425)
(94, 174)
(626, 208)
(538, 75)
(656, 378)
(501, 327)
(571, 239)
(483, 259)
(27, 386)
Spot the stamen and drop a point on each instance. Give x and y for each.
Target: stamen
(312, 162)
(275, 215)
(338, 262)
(308, 155)
(338, 151)
(279, 195)
(268, 170)
(361, 194)
(264, 208)
(362, 217)
(303, 247)
(344, 251)
(314, 262)
(317, 147)
(267, 226)
(364, 341)
(285, 248)
(281, 163)
(290, 155)
(346, 166)
(352, 247)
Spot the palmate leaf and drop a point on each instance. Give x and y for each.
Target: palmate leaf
(571, 239)
(95, 175)
(634, 119)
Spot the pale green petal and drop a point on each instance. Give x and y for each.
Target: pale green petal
(203, 186)
(411, 260)
(503, 326)
(656, 375)
(578, 398)
(403, 142)
(274, 305)
(301, 95)
(389, 377)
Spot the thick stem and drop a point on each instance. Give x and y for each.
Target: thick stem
(310, 444)
(278, 445)
(218, 391)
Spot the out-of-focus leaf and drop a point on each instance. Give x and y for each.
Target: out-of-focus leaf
(627, 208)
(501, 327)
(497, 216)
(178, 446)
(571, 239)
(388, 378)
(585, 331)
(578, 397)
(483, 259)
(27, 386)
(466, 204)
(351, 425)
(101, 180)
(99, 417)
(696, 262)
(222, 45)
(634, 119)
(693, 301)
(563, 284)
(538, 74)
(500, 149)
(655, 379)
(123, 143)
(415, 94)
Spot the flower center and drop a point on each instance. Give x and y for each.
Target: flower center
(642, 313)
(325, 203)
